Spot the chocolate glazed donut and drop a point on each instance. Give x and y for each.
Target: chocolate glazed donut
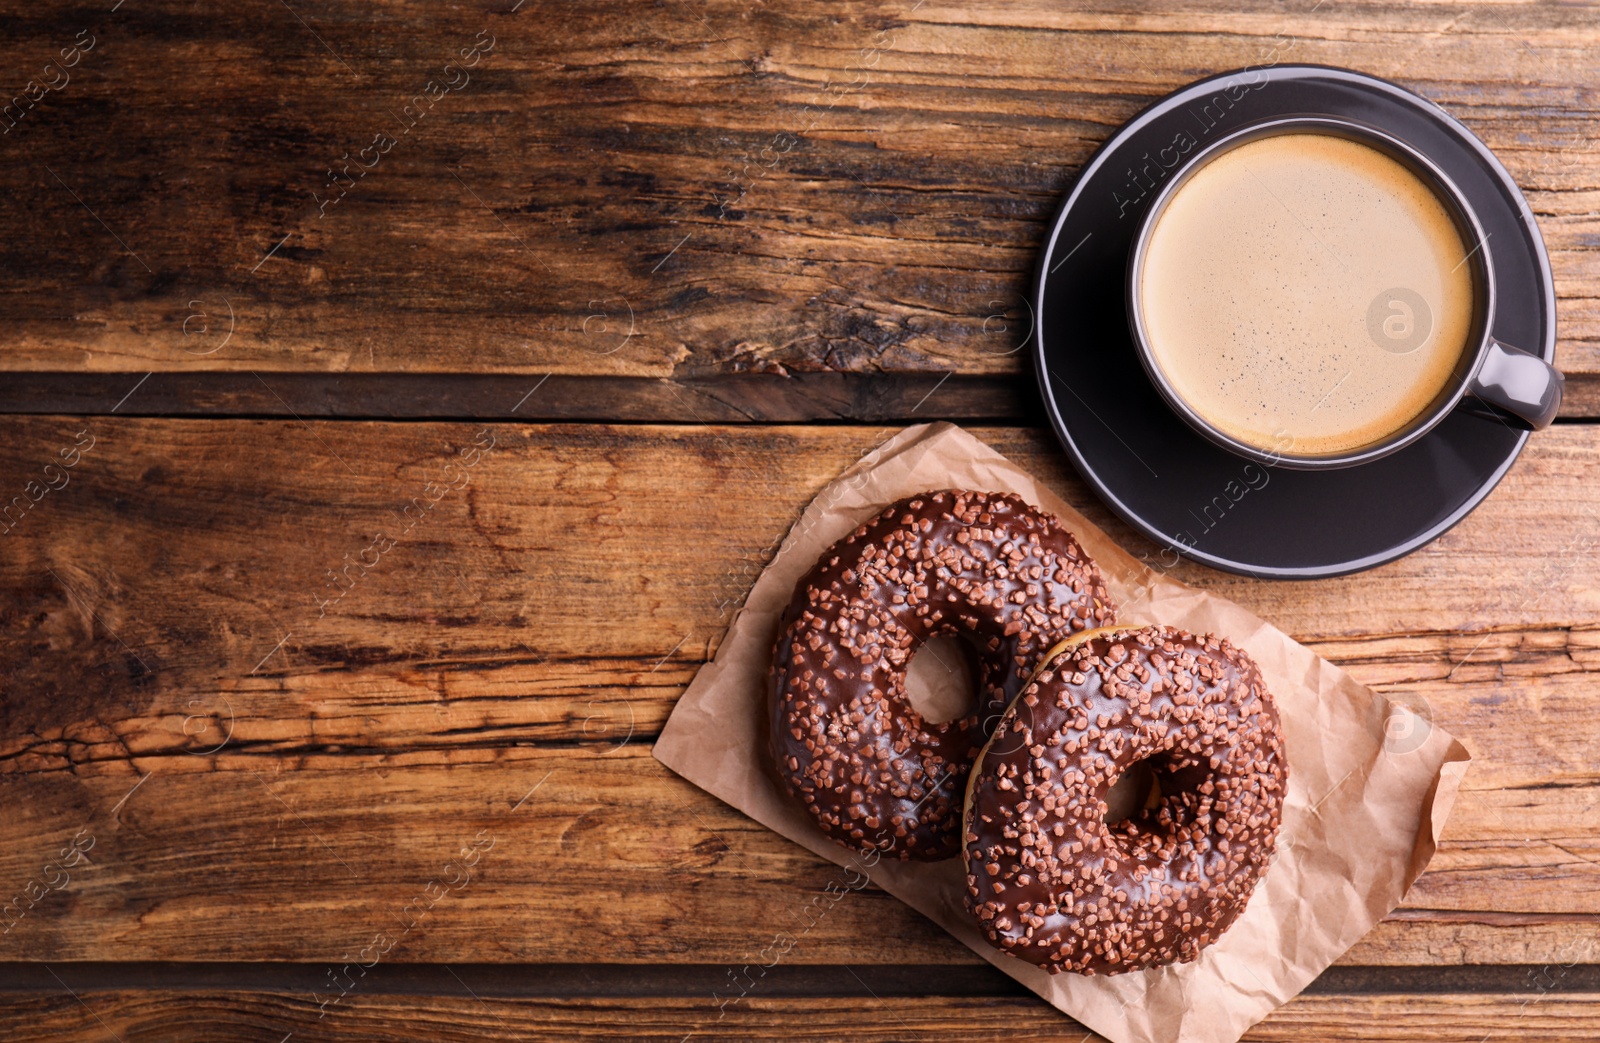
(1049, 880)
(845, 741)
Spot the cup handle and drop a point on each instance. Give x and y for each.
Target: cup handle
(1518, 384)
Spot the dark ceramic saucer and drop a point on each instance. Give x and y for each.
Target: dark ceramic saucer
(1153, 469)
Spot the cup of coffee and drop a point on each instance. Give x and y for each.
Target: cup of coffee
(1315, 293)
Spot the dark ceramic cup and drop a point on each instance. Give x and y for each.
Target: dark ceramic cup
(1492, 379)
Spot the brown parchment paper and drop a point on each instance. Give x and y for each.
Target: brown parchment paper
(1370, 781)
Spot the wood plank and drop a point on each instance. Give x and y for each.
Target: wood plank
(681, 517)
(459, 1012)
(244, 856)
(713, 399)
(631, 981)
(676, 192)
(162, 623)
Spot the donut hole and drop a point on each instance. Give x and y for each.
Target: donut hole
(1137, 790)
(942, 679)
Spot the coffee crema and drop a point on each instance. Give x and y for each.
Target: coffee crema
(1307, 294)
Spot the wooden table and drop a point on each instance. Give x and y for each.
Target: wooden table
(402, 397)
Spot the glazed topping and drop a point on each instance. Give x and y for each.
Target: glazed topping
(845, 739)
(1049, 880)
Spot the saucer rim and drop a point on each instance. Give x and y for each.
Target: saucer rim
(1279, 74)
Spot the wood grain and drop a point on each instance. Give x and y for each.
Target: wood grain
(458, 1015)
(681, 192)
(267, 778)
(712, 399)
(224, 740)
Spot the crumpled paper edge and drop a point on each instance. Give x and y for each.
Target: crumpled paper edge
(1286, 936)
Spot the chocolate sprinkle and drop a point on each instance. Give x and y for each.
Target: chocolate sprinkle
(1049, 881)
(845, 740)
